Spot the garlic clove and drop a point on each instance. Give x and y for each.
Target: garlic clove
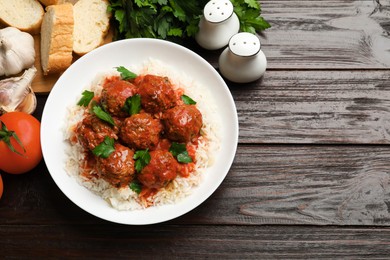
(29, 104)
(16, 93)
(17, 51)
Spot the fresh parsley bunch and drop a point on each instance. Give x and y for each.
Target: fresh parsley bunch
(249, 14)
(175, 19)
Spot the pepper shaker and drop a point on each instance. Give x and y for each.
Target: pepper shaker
(217, 25)
(243, 60)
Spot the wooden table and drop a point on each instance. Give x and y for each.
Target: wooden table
(311, 178)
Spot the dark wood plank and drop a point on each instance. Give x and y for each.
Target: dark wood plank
(321, 185)
(315, 107)
(311, 175)
(317, 185)
(192, 242)
(327, 34)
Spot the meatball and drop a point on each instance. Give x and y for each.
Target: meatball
(157, 93)
(114, 95)
(141, 131)
(161, 169)
(118, 168)
(91, 131)
(182, 123)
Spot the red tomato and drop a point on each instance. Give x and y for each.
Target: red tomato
(27, 129)
(1, 186)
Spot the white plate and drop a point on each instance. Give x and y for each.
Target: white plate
(126, 53)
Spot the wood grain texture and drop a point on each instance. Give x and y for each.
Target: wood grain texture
(319, 185)
(311, 175)
(315, 107)
(309, 35)
(42, 84)
(191, 242)
(327, 34)
(277, 184)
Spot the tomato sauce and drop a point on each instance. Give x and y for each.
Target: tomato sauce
(162, 119)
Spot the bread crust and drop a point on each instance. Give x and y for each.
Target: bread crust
(57, 40)
(56, 2)
(48, 2)
(32, 28)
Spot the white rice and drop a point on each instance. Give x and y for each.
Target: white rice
(125, 198)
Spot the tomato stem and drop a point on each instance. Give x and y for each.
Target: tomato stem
(5, 136)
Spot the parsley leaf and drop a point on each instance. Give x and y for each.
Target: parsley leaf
(175, 20)
(136, 187)
(178, 12)
(133, 104)
(187, 100)
(175, 32)
(184, 157)
(142, 158)
(87, 96)
(180, 152)
(249, 14)
(105, 148)
(253, 4)
(103, 115)
(163, 26)
(120, 16)
(125, 73)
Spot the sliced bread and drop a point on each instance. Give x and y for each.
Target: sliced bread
(26, 15)
(57, 38)
(56, 2)
(91, 24)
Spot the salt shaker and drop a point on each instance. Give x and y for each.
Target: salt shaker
(217, 25)
(243, 61)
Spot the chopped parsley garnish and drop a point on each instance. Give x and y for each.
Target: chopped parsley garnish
(179, 151)
(125, 73)
(103, 115)
(136, 187)
(105, 148)
(87, 96)
(133, 104)
(187, 100)
(142, 158)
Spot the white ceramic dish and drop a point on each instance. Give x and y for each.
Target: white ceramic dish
(126, 53)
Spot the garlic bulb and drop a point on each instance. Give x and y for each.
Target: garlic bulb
(16, 51)
(16, 93)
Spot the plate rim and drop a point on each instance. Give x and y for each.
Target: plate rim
(57, 85)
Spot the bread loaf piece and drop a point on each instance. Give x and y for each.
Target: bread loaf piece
(57, 38)
(57, 2)
(26, 15)
(91, 24)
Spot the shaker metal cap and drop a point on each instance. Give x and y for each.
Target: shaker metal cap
(216, 11)
(244, 44)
